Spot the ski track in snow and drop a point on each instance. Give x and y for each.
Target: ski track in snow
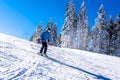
(19, 61)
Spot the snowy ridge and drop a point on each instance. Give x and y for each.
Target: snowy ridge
(19, 61)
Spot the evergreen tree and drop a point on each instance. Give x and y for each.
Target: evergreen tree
(68, 29)
(111, 37)
(55, 37)
(53, 33)
(118, 20)
(82, 28)
(59, 41)
(117, 31)
(98, 33)
(49, 25)
(36, 34)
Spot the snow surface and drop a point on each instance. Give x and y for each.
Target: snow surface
(19, 61)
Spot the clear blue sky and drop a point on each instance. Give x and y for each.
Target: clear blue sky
(21, 17)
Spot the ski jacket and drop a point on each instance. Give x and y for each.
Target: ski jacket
(45, 36)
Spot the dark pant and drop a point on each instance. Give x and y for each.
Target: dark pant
(44, 47)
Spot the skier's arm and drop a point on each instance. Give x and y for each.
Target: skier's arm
(49, 37)
(48, 40)
(41, 37)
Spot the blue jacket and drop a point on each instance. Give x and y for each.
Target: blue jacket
(45, 36)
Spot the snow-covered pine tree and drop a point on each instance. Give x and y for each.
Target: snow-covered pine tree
(55, 37)
(68, 29)
(59, 41)
(111, 37)
(98, 33)
(82, 28)
(36, 34)
(117, 31)
(53, 33)
(118, 19)
(49, 25)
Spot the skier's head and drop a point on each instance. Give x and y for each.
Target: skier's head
(49, 30)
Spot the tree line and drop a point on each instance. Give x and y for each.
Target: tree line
(104, 37)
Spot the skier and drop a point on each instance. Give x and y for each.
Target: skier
(45, 38)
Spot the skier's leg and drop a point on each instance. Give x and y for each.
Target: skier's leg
(42, 48)
(45, 48)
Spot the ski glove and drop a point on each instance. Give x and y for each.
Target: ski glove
(38, 40)
(48, 40)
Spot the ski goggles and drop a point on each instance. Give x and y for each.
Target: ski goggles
(49, 31)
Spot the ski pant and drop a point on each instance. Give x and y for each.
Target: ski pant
(44, 47)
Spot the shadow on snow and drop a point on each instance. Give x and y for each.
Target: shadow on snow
(95, 75)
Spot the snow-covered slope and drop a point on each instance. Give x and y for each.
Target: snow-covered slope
(19, 61)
